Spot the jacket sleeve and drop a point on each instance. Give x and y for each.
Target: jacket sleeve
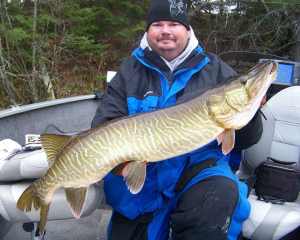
(114, 103)
(250, 134)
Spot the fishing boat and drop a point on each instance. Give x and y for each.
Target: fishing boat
(22, 126)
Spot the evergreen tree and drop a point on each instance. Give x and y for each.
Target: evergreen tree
(59, 48)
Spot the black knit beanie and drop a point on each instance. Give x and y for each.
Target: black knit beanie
(168, 10)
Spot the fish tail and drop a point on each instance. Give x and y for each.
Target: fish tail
(28, 199)
(43, 218)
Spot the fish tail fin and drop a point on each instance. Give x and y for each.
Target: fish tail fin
(27, 199)
(43, 218)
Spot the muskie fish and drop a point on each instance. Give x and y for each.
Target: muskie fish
(78, 161)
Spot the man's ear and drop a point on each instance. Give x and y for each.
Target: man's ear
(189, 33)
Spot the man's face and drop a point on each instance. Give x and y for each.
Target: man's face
(168, 39)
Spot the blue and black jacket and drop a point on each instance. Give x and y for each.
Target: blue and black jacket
(144, 83)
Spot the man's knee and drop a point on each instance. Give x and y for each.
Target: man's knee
(206, 209)
(123, 228)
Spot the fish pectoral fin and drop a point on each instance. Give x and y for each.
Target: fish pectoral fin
(227, 138)
(76, 199)
(134, 174)
(52, 145)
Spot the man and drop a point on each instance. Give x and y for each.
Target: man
(195, 195)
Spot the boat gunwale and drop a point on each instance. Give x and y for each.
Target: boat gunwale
(39, 105)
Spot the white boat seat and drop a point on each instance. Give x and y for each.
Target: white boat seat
(24, 165)
(15, 175)
(268, 221)
(280, 140)
(59, 208)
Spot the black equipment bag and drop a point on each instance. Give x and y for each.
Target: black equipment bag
(278, 179)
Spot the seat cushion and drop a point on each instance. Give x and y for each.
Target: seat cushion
(280, 140)
(271, 221)
(59, 208)
(281, 134)
(24, 165)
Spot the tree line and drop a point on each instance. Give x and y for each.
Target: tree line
(59, 48)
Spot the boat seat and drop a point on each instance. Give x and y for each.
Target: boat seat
(18, 171)
(23, 166)
(280, 140)
(59, 208)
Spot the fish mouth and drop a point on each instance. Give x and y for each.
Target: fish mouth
(261, 77)
(253, 86)
(274, 68)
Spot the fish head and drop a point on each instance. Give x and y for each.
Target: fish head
(251, 87)
(235, 104)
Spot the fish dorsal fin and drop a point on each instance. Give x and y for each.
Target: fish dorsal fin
(53, 144)
(134, 174)
(76, 199)
(227, 138)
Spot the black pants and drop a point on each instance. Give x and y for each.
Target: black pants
(204, 211)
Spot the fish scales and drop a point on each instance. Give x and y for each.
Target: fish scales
(143, 135)
(81, 160)
(175, 123)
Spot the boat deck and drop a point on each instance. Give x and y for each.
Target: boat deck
(88, 228)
